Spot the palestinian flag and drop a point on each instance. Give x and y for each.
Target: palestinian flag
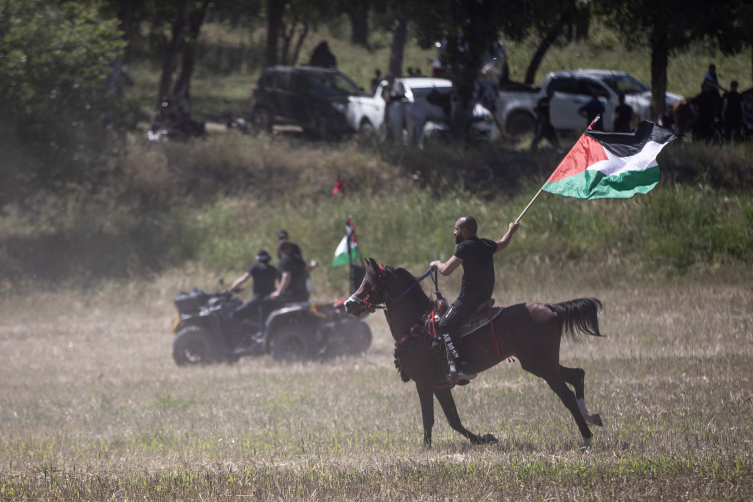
(341, 253)
(611, 165)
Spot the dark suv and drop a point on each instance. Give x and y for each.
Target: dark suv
(315, 99)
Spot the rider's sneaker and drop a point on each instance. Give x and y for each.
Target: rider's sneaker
(465, 372)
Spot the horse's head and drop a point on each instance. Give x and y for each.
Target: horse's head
(372, 292)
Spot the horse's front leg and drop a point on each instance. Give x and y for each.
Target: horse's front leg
(427, 410)
(444, 396)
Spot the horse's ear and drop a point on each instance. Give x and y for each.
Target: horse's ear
(373, 264)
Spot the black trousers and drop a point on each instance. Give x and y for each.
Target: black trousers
(545, 130)
(252, 310)
(450, 323)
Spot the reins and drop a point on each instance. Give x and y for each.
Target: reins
(434, 278)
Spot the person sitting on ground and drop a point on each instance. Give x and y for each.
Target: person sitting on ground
(264, 275)
(593, 109)
(294, 283)
(477, 257)
(623, 114)
(544, 127)
(733, 112)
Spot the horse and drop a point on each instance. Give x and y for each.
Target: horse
(530, 332)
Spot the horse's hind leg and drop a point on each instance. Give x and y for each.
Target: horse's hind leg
(553, 377)
(577, 378)
(444, 396)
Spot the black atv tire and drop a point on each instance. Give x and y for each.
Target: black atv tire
(349, 339)
(293, 343)
(193, 346)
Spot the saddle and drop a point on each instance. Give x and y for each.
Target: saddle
(479, 319)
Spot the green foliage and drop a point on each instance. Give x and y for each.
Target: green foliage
(54, 62)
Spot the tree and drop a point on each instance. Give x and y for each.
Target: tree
(54, 63)
(669, 25)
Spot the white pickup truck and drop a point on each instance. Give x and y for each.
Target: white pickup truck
(366, 113)
(572, 89)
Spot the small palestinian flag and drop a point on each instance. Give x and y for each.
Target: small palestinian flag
(342, 257)
(611, 165)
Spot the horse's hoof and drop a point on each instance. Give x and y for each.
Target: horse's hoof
(489, 439)
(586, 445)
(596, 420)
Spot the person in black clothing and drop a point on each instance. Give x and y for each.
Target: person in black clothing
(294, 283)
(282, 236)
(544, 128)
(623, 114)
(477, 257)
(264, 276)
(376, 80)
(733, 111)
(592, 109)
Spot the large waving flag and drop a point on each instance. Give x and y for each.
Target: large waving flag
(342, 257)
(611, 165)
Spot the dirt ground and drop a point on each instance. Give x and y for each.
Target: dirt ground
(93, 407)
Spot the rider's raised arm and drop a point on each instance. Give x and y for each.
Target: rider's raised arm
(502, 244)
(448, 267)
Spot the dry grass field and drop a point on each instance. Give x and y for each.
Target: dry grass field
(92, 407)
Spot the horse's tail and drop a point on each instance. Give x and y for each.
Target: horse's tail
(578, 317)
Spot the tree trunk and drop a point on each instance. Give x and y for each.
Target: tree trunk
(180, 27)
(399, 34)
(125, 15)
(359, 23)
(299, 44)
(275, 11)
(659, 61)
(189, 51)
(549, 39)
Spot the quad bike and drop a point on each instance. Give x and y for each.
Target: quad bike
(205, 332)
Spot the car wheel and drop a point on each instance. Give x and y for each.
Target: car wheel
(349, 338)
(366, 127)
(293, 343)
(261, 120)
(520, 123)
(193, 346)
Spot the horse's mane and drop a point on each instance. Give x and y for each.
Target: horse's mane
(408, 279)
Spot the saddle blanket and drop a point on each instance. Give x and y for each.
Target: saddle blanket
(478, 321)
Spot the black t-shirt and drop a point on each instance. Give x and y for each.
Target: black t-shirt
(296, 250)
(623, 115)
(478, 266)
(733, 111)
(264, 276)
(543, 108)
(297, 289)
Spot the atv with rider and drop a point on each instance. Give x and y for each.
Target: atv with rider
(206, 333)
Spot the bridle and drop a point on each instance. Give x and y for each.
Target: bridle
(376, 292)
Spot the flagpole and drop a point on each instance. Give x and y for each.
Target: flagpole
(529, 205)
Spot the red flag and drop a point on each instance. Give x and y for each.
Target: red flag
(339, 186)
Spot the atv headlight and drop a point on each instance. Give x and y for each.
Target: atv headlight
(339, 107)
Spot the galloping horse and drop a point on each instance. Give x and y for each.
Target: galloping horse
(531, 332)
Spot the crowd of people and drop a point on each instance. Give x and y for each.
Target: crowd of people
(713, 116)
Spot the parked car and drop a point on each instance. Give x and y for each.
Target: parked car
(313, 98)
(495, 67)
(572, 89)
(366, 113)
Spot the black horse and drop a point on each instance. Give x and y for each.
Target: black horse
(531, 332)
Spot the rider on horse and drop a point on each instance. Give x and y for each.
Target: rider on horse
(477, 257)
